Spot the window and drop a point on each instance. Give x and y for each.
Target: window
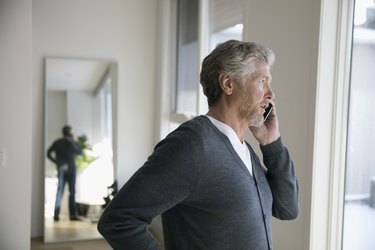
(225, 21)
(359, 202)
(187, 57)
(194, 42)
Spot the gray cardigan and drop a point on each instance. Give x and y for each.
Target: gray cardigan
(205, 194)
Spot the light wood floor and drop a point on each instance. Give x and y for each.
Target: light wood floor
(69, 235)
(73, 235)
(37, 244)
(66, 230)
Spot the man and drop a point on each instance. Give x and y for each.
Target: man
(203, 178)
(64, 150)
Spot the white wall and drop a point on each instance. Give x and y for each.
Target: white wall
(122, 31)
(291, 29)
(81, 113)
(15, 123)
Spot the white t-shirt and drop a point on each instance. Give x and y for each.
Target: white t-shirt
(241, 148)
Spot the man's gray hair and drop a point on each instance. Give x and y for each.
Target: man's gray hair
(235, 58)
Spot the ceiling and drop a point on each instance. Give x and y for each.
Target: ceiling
(64, 74)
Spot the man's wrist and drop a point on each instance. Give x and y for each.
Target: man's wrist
(270, 139)
(273, 148)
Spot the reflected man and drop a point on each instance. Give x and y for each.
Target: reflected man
(62, 152)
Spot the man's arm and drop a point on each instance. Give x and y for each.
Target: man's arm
(167, 178)
(50, 153)
(280, 174)
(282, 180)
(76, 148)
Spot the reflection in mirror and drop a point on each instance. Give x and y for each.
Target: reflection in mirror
(78, 93)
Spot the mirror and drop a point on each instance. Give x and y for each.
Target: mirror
(78, 93)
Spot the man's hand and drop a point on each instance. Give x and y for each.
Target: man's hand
(268, 132)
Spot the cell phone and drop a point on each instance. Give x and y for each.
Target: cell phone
(268, 111)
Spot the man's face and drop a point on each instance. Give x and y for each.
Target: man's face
(255, 95)
(69, 134)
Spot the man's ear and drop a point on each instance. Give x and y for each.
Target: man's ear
(226, 84)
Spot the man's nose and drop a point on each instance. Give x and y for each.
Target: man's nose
(269, 94)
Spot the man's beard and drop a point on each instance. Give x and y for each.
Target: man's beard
(245, 112)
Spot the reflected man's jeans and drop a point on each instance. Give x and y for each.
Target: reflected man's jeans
(65, 174)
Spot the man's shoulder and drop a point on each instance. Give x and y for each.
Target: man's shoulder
(197, 126)
(198, 122)
(192, 130)
(60, 142)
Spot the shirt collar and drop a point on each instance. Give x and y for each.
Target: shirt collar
(227, 131)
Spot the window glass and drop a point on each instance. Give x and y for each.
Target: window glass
(359, 206)
(187, 57)
(226, 20)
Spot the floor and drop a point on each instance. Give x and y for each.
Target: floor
(359, 227)
(72, 235)
(69, 235)
(66, 230)
(37, 244)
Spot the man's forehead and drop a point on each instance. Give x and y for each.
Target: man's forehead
(262, 72)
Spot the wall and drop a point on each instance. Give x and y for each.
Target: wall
(291, 29)
(15, 123)
(81, 113)
(120, 30)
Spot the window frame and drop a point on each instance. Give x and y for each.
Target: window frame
(330, 136)
(203, 22)
(168, 13)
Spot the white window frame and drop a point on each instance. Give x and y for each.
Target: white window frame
(330, 133)
(168, 18)
(203, 24)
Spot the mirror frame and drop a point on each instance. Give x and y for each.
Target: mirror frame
(64, 232)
